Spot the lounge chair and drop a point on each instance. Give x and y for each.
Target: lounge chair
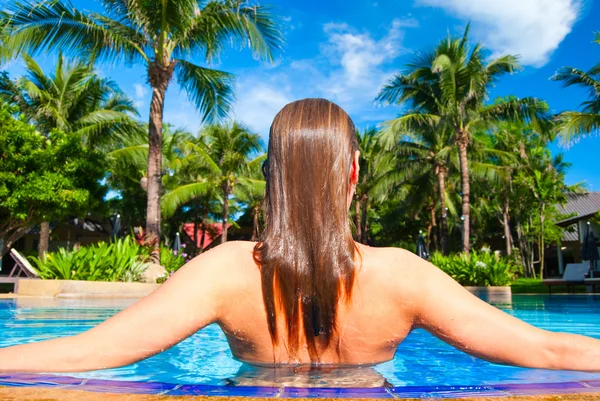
(574, 275)
(22, 267)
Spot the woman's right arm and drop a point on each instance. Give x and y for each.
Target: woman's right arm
(187, 302)
(456, 316)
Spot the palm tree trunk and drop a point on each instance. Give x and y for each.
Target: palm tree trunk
(462, 142)
(432, 233)
(196, 212)
(44, 239)
(255, 225)
(364, 200)
(523, 250)
(225, 212)
(532, 250)
(159, 77)
(441, 176)
(542, 245)
(357, 217)
(506, 223)
(204, 215)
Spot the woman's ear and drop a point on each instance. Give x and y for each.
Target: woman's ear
(354, 172)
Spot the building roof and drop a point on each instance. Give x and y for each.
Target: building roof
(570, 236)
(213, 231)
(581, 205)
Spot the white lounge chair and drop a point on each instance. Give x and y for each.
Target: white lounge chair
(22, 267)
(23, 264)
(574, 275)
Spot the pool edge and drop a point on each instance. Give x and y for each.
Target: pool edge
(67, 383)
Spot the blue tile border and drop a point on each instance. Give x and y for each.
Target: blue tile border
(130, 387)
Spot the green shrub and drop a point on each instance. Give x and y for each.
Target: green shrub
(482, 268)
(171, 260)
(122, 260)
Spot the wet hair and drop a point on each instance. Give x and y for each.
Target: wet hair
(306, 252)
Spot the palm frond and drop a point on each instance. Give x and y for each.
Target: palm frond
(575, 77)
(134, 155)
(528, 109)
(256, 163)
(199, 154)
(394, 129)
(36, 27)
(506, 64)
(181, 195)
(572, 126)
(210, 90)
(221, 21)
(487, 171)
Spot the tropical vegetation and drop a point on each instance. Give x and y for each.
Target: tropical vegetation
(123, 259)
(483, 268)
(162, 36)
(447, 89)
(465, 171)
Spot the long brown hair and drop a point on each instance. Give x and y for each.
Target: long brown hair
(306, 252)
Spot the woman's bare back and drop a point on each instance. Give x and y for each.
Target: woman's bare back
(368, 330)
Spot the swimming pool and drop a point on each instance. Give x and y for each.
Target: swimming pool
(203, 361)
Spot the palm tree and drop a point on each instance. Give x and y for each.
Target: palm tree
(448, 88)
(192, 184)
(543, 176)
(513, 138)
(378, 175)
(572, 125)
(251, 192)
(74, 100)
(162, 35)
(427, 150)
(224, 152)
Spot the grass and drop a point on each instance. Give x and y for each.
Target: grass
(535, 286)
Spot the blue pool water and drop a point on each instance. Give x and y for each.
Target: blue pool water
(204, 358)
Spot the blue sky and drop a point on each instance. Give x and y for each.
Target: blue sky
(345, 50)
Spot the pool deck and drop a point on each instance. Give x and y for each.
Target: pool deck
(39, 394)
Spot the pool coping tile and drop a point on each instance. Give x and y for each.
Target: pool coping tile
(131, 387)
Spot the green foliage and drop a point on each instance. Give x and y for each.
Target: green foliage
(73, 99)
(573, 125)
(482, 268)
(43, 176)
(535, 286)
(218, 162)
(595, 219)
(171, 260)
(121, 260)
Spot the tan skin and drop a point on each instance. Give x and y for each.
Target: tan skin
(394, 293)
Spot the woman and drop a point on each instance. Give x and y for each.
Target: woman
(306, 293)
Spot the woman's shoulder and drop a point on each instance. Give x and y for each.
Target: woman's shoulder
(396, 267)
(234, 257)
(231, 250)
(391, 258)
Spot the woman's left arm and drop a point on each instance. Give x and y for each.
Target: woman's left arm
(185, 303)
(464, 321)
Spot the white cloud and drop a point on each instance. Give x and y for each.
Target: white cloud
(358, 58)
(349, 68)
(532, 29)
(258, 104)
(140, 92)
